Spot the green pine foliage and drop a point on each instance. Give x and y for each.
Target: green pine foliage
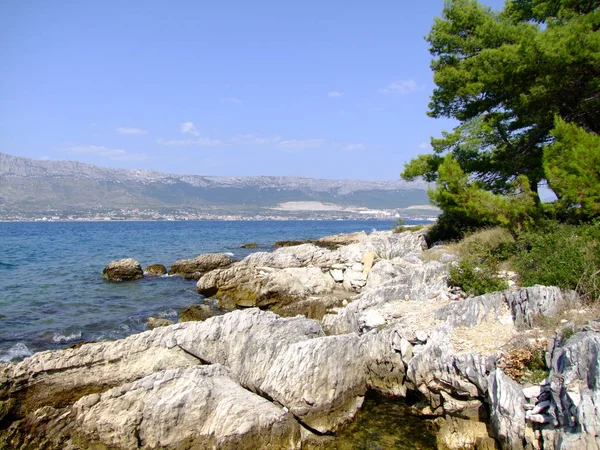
(524, 86)
(572, 166)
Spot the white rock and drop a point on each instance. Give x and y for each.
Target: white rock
(372, 319)
(532, 391)
(337, 274)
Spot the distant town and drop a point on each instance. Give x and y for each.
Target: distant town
(138, 214)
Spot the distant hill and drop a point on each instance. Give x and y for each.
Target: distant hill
(33, 185)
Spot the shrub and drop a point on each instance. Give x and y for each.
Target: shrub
(561, 255)
(399, 226)
(476, 279)
(452, 226)
(526, 364)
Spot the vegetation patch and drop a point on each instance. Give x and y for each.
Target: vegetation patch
(526, 364)
(561, 255)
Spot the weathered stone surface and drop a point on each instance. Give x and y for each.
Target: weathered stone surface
(367, 261)
(322, 381)
(526, 303)
(312, 307)
(354, 279)
(338, 240)
(156, 270)
(123, 270)
(416, 282)
(196, 267)
(337, 275)
(155, 322)
(195, 313)
(194, 407)
(381, 273)
(506, 410)
(575, 393)
(249, 245)
(287, 285)
(458, 434)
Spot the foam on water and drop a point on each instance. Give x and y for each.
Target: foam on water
(61, 338)
(17, 352)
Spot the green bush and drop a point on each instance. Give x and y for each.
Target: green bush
(561, 255)
(451, 226)
(476, 279)
(399, 226)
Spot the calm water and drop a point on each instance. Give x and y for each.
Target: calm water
(51, 289)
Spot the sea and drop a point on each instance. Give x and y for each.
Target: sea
(52, 293)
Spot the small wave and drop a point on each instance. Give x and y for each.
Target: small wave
(229, 254)
(373, 230)
(60, 338)
(7, 265)
(15, 353)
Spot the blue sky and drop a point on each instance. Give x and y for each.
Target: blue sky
(326, 89)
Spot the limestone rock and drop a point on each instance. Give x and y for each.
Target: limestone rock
(382, 272)
(249, 245)
(367, 262)
(195, 313)
(337, 275)
(286, 285)
(194, 268)
(156, 270)
(458, 434)
(575, 392)
(155, 322)
(123, 270)
(354, 280)
(415, 282)
(194, 407)
(506, 410)
(338, 240)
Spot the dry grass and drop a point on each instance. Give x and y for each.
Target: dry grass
(525, 363)
(473, 245)
(481, 241)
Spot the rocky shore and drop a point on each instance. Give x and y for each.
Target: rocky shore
(312, 330)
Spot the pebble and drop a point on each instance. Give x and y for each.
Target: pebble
(532, 391)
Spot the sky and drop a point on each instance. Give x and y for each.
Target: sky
(326, 89)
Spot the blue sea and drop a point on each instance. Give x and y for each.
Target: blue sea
(52, 293)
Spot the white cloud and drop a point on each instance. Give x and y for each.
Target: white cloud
(198, 142)
(251, 139)
(401, 87)
(114, 154)
(335, 94)
(299, 144)
(131, 130)
(189, 128)
(354, 147)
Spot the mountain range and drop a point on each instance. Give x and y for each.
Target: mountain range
(35, 185)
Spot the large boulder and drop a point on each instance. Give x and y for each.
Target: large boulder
(195, 313)
(245, 284)
(338, 240)
(123, 270)
(196, 267)
(572, 420)
(156, 270)
(193, 407)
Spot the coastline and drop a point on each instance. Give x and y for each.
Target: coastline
(397, 332)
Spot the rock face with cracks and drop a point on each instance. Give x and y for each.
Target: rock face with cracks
(196, 267)
(291, 274)
(252, 379)
(123, 270)
(191, 407)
